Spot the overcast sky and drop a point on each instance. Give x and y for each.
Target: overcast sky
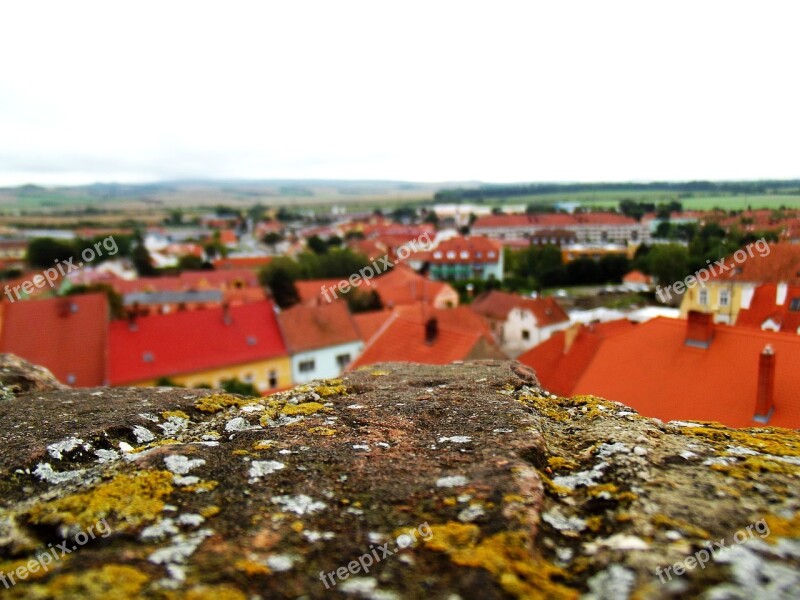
(424, 91)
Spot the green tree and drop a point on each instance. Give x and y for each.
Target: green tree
(668, 263)
(45, 252)
(190, 262)
(317, 245)
(236, 386)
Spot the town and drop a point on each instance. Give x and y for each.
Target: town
(256, 300)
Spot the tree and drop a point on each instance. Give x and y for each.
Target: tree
(668, 263)
(272, 239)
(280, 276)
(317, 245)
(190, 262)
(236, 386)
(45, 252)
(141, 259)
(363, 301)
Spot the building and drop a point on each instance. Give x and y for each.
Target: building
(68, 335)
(572, 252)
(322, 340)
(636, 281)
(459, 258)
(204, 347)
(519, 323)
(423, 334)
(731, 284)
(773, 307)
(689, 370)
(402, 286)
(589, 228)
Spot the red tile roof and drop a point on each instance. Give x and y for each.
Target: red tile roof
(402, 285)
(190, 280)
(66, 335)
(402, 339)
(191, 341)
(551, 220)
(311, 327)
(559, 368)
(311, 290)
(241, 262)
(763, 307)
(782, 264)
(369, 322)
(496, 305)
(651, 369)
(463, 250)
(636, 277)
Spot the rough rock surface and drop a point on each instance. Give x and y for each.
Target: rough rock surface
(463, 481)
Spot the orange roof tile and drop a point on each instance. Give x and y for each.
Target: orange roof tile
(67, 335)
(310, 327)
(369, 322)
(402, 339)
(651, 369)
(763, 307)
(782, 264)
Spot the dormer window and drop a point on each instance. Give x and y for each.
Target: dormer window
(464, 254)
(451, 254)
(794, 305)
(437, 254)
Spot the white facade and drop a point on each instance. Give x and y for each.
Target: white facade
(324, 363)
(521, 331)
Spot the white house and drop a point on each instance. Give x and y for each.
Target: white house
(322, 340)
(519, 323)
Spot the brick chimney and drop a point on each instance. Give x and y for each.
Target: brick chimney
(765, 395)
(431, 330)
(699, 329)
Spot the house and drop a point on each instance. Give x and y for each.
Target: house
(203, 347)
(322, 340)
(402, 285)
(459, 258)
(423, 334)
(368, 323)
(520, 323)
(636, 281)
(589, 228)
(731, 284)
(689, 370)
(68, 335)
(773, 307)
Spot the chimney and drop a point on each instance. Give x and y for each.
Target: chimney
(765, 400)
(132, 314)
(431, 330)
(570, 335)
(226, 313)
(699, 329)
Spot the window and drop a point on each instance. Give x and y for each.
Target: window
(248, 378)
(794, 305)
(451, 254)
(307, 366)
(703, 299)
(526, 335)
(724, 297)
(273, 379)
(342, 361)
(464, 254)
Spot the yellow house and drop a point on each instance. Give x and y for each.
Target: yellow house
(201, 347)
(729, 284)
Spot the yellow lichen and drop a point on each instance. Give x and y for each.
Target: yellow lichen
(130, 499)
(240, 453)
(297, 526)
(594, 523)
(209, 511)
(597, 490)
(263, 445)
(217, 402)
(214, 592)
(203, 486)
(780, 527)
(768, 440)
(513, 498)
(109, 581)
(667, 522)
(380, 373)
(745, 468)
(551, 487)
(507, 556)
(324, 431)
(251, 567)
(558, 462)
(307, 408)
(333, 387)
(174, 413)
(156, 444)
